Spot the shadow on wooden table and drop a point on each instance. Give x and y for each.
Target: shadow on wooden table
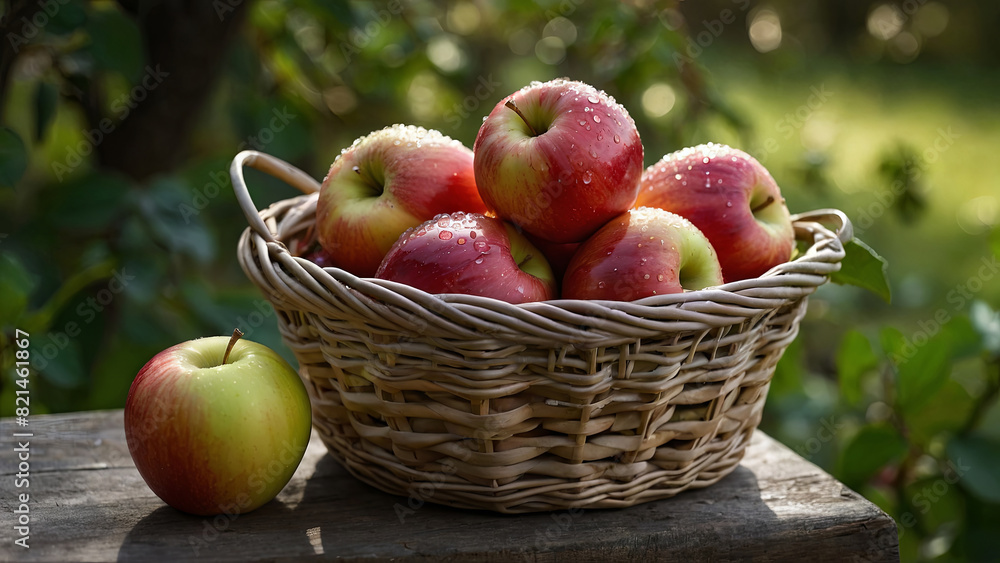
(332, 515)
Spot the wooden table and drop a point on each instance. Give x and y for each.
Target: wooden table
(88, 503)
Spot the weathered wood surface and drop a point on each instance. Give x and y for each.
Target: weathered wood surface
(88, 503)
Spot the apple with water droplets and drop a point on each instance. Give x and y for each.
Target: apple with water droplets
(472, 254)
(559, 159)
(641, 253)
(732, 198)
(385, 183)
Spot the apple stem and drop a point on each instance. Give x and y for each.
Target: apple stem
(527, 258)
(765, 203)
(237, 334)
(510, 104)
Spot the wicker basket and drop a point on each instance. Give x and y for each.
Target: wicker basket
(472, 402)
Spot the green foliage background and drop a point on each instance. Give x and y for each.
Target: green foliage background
(116, 244)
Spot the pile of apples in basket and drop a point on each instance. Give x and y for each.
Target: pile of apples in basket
(552, 201)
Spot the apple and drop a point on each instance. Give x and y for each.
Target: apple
(473, 254)
(216, 428)
(559, 159)
(557, 254)
(640, 253)
(732, 198)
(385, 183)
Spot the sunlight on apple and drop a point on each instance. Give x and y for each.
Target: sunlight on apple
(885, 21)
(765, 30)
(658, 100)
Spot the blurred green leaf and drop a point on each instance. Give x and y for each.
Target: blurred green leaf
(13, 157)
(89, 202)
(946, 411)
(921, 370)
(872, 448)
(46, 99)
(163, 205)
(854, 358)
(863, 267)
(987, 323)
(977, 460)
(15, 288)
(115, 42)
(70, 17)
(64, 368)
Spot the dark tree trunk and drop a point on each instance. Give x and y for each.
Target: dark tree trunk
(186, 43)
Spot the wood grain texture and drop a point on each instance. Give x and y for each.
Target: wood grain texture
(88, 503)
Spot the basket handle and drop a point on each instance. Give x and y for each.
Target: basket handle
(842, 224)
(270, 165)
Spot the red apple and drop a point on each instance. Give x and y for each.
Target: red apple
(214, 428)
(557, 254)
(472, 254)
(385, 183)
(640, 253)
(732, 198)
(559, 159)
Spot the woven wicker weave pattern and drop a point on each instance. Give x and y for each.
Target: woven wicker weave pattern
(472, 402)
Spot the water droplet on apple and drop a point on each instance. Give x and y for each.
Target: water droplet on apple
(593, 153)
(597, 119)
(588, 176)
(618, 139)
(729, 204)
(461, 240)
(600, 136)
(397, 142)
(472, 234)
(479, 260)
(677, 176)
(445, 235)
(689, 167)
(659, 277)
(601, 285)
(587, 127)
(645, 276)
(582, 122)
(593, 99)
(482, 246)
(705, 161)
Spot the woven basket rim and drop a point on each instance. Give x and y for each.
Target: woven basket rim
(743, 299)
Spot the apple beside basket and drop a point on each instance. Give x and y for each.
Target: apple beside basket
(476, 403)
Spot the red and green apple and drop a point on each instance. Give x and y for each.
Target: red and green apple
(559, 159)
(732, 198)
(472, 254)
(641, 253)
(386, 182)
(217, 425)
